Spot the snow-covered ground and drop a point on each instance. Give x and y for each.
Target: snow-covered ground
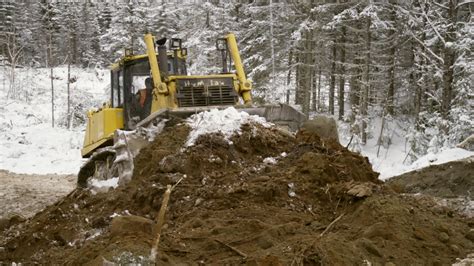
(29, 143)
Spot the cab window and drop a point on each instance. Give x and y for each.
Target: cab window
(117, 89)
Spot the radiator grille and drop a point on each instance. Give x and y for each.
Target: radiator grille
(192, 93)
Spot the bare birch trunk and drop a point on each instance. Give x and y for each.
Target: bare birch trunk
(298, 78)
(307, 72)
(391, 87)
(288, 77)
(314, 91)
(342, 73)
(50, 62)
(52, 97)
(449, 59)
(69, 115)
(355, 89)
(365, 93)
(332, 84)
(319, 107)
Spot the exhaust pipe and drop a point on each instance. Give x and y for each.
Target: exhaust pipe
(162, 57)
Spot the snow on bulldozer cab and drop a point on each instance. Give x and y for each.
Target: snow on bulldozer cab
(156, 85)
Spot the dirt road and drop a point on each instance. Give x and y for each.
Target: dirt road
(27, 194)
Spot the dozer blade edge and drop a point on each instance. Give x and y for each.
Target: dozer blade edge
(283, 115)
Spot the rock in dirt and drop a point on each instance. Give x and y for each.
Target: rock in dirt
(324, 127)
(7, 222)
(130, 225)
(470, 235)
(443, 237)
(449, 180)
(360, 190)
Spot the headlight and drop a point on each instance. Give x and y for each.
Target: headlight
(221, 44)
(175, 43)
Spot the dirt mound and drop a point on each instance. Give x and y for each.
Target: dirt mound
(447, 180)
(262, 198)
(452, 184)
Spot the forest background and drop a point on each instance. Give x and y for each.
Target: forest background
(379, 67)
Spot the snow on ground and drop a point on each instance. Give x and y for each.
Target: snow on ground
(391, 159)
(227, 122)
(40, 149)
(29, 143)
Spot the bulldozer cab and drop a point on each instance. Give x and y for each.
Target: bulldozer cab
(130, 89)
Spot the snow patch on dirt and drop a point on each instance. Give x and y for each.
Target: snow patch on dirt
(108, 183)
(468, 261)
(227, 122)
(269, 160)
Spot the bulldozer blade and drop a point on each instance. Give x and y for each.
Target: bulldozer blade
(283, 115)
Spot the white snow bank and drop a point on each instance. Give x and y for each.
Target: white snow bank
(28, 142)
(446, 155)
(391, 160)
(40, 149)
(227, 122)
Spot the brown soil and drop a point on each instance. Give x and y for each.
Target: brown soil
(320, 204)
(447, 180)
(451, 184)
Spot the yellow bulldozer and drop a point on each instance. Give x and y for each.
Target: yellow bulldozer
(155, 85)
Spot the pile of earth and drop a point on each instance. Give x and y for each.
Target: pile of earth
(452, 184)
(263, 198)
(449, 180)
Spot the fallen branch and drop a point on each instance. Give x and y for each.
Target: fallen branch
(331, 224)
(232, 248)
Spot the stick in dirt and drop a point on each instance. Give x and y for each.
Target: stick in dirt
(160, 222)
(331, 224)
(232, 248)
(161, 218)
